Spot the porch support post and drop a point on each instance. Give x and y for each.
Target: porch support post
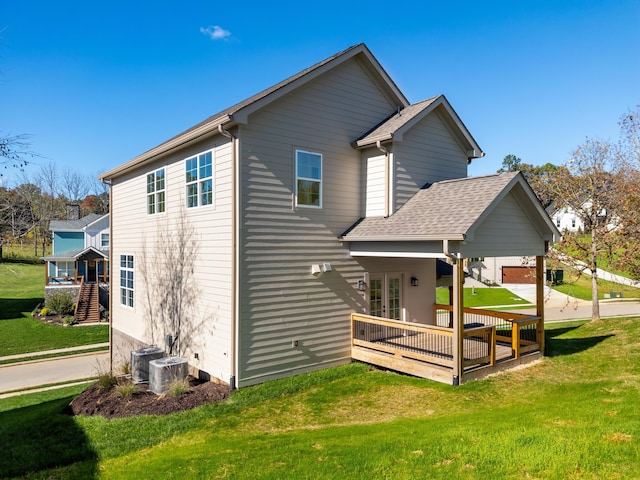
(540, 300)
(458, 321)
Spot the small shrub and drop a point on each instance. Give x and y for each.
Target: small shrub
(107, 380)
(69, 320)
(126, 389)
(45, 311)
(179, 387)
(60, 302)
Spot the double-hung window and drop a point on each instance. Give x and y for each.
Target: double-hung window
(126, 280)
(104, 240)
(155, 192)
(199, 178)
(308, 179)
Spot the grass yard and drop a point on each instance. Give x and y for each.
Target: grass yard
(581, 288)
(482, 297)
(21, 289)
(572, 415)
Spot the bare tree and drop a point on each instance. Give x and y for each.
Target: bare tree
(73, 185)
(590, 187)
(14, 151)
(167, 270)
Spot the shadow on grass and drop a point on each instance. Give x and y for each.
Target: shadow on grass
(555, 347)
(43, 437)
(13, 307)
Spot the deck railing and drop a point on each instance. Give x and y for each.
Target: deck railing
(426, 343)
(522, 332)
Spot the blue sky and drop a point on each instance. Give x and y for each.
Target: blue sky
(97, 83)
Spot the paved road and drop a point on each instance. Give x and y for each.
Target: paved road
(43, 372)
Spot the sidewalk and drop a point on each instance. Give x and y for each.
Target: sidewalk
(25, 357)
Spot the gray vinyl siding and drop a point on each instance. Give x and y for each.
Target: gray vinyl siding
(506, 232)
(281, 301)
(134, 230)
(429, 153)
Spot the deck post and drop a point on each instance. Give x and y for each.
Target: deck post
(540, 300)
(458, 321)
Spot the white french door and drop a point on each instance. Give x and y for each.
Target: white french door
(385, 296)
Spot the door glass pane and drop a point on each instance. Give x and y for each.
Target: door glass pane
(394, 298)
(375, 297)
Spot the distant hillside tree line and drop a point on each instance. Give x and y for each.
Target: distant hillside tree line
(41, 196)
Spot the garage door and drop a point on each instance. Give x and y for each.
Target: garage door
(518, 275)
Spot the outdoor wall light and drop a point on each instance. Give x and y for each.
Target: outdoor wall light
(362, 286)
(414, 282)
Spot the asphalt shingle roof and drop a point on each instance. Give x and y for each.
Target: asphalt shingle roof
(391, 125)
(440, 210)
(73, 224)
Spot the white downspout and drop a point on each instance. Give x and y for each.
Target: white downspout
(236, 257)
(387, 177)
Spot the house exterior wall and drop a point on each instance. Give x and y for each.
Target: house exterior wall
(428, 152)
(134, 232)
(489, 269)
(375, 168)
(280, 300)
(417, 302)
(93, 234)
(67, 241)
(508, 231)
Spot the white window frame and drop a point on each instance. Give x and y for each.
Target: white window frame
(156, 194)
(300, 177)
(197, 179)
(127, 291)
(103, 243)
(69, 269)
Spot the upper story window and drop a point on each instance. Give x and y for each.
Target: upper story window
(199, 177)
(155, 192)
(126, 280)
(308, 179)
(104, 240)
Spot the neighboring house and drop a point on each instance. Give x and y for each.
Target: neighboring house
(80, 253)
(320, 208)
(499, 270)
(565, 219)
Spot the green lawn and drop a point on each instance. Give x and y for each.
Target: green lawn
(21, 289)
(482, 297)
(572, 415)
(581, 288)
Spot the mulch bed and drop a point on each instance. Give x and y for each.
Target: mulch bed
(106, 402)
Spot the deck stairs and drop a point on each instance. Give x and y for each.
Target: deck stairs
(88, 305)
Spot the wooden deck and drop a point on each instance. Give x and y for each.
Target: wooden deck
(491, 342)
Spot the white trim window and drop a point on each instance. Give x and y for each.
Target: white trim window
(104, 240)
(199, 178)
(126, 280)
(155, 192)
(65, 269)
(308, 179)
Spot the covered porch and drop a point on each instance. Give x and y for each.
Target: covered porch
(404, 328)
(462, 344)
(72, 268)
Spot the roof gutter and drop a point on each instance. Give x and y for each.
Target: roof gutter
(166, 147)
